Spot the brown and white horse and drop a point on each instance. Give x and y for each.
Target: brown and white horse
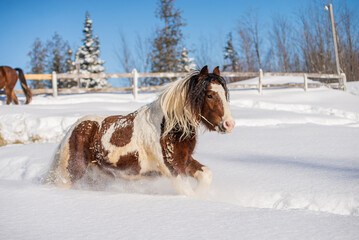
(157, 139)
(8, 79)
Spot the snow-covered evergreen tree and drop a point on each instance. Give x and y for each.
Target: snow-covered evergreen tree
(88, 55)
(231, 60)
(186, 64)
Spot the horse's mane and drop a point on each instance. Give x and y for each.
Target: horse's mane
(182, 100)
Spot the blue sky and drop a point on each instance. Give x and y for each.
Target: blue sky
(23, 21)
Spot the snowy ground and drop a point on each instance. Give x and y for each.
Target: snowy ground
(289, 170)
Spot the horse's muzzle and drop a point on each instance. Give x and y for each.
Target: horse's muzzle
(226, 126)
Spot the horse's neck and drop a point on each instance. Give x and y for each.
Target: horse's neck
(152, 113)
(177, 135)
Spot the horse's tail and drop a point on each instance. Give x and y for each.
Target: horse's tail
(24, 86)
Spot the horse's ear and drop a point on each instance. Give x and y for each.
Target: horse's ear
(204, 71)
(216, 71)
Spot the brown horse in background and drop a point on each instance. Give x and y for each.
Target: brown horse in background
(8, 78)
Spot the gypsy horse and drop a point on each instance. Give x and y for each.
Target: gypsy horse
(8, 79)
(156, 140)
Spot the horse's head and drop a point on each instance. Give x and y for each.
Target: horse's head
(208, 97)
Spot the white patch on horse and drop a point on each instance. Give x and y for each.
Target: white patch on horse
(145, 140)
(222, 94)
(147, 135)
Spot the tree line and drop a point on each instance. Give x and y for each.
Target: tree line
(56, 55)
(300, 44)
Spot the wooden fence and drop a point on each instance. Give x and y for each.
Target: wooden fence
(135, 75)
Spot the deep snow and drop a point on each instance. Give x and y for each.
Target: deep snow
(289, 170)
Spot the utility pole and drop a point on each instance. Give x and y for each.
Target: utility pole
(334, 36)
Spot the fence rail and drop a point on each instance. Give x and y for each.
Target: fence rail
(135, 75)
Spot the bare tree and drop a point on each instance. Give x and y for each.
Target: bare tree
(134, 56)
(143, 50)
(348, 39)
(250, 40)
(204, 53)
(38, 61)
(60, 59)
(282, 43)
(124, 55)
(270, 61)
(316, 44)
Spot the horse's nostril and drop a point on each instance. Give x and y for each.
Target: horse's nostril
(229, 125)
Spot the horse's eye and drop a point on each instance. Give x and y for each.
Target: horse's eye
(209, 96)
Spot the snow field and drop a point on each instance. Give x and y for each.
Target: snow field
(289, 170)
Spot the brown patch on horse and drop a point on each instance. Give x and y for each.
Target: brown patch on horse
(177, 152)
(123, 130)
(81, 148)
(129, 163)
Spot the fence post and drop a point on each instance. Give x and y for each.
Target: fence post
(344, 81)
(54, 84)
(135, 80)
(260, 81)
(305, 82)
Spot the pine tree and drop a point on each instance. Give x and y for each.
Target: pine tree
(230, 56)
(69, 68)
(186, 64)
(88, 55)
(38, 56)
(165, 49)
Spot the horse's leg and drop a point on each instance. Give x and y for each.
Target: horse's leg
(175, 153)
(73, 155)
(178, 158)
(201, 173)
(81, 149)
(182, 185)
(14, 98)
(8, 95)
